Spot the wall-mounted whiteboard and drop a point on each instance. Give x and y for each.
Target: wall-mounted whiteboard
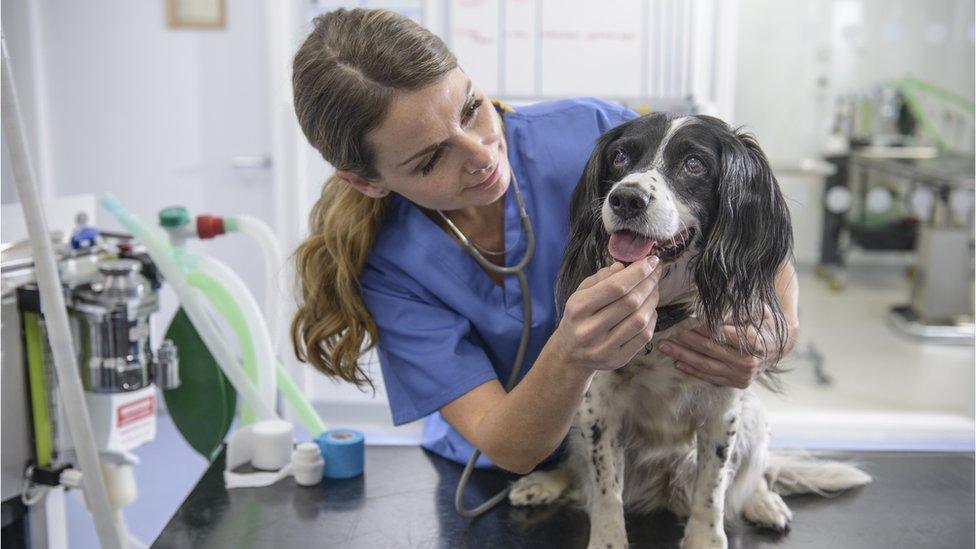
(651, 53)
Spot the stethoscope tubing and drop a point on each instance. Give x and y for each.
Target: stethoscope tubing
(519, 271)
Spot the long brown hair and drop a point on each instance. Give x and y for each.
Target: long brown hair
(345, 76)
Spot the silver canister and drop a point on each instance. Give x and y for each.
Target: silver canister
(111, 321)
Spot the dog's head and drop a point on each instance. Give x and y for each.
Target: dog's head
(684, 187)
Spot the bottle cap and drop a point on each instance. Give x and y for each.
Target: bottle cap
(174, 216)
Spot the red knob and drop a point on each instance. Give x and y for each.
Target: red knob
(209, 226)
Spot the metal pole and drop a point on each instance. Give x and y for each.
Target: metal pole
(55, 313)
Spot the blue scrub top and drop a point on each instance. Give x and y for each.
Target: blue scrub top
(444, 326)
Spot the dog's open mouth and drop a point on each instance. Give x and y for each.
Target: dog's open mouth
(629, 246)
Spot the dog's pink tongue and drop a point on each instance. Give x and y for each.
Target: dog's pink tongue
(629, 246)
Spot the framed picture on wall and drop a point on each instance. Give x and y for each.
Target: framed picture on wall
(195, 13)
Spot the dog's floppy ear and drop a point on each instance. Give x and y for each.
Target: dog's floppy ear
(587, 245)
(749, 239)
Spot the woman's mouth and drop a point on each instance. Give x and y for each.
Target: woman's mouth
(488, 181)
(628, 246)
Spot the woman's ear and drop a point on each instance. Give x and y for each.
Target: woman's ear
(361, 184)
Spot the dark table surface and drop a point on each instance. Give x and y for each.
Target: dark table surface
(405, 499)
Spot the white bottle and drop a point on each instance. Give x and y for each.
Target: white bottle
(307, 464)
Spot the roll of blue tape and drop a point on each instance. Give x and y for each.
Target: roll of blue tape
(344, 451)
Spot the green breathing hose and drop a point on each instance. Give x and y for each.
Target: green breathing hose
(908, 87)
(231, 311)
(225, 304)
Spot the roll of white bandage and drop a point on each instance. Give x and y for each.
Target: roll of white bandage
(271, 444)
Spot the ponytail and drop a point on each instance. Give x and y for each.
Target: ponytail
(332, 322)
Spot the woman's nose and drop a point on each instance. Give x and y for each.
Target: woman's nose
(479, 154)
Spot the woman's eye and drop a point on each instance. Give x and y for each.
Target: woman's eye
(472, 109)
(429, 165)
(694, 165)
(620, 159)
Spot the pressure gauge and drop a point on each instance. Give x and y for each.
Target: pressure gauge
(838, 200)
(922, 199)
(879, 200)
(961, 201)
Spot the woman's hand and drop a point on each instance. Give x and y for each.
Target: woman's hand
(729, 364)
(611, 316)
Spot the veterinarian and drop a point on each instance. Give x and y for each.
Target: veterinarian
(417, 147)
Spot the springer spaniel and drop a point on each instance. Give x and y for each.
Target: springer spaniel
(701, 196)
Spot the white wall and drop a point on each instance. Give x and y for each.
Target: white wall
(152, 114)
(156, 116)
(22, 40)
(794, 58)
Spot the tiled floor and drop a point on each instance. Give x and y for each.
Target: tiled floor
(884, 385)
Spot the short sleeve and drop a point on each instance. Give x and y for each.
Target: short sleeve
(590, 119)
(553, 140)
(426, 351)
(610, 114)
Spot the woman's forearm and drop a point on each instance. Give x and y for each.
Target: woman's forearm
(525, 426)
(788, 292)
(606, 321)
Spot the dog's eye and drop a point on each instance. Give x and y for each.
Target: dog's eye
(620, 159)
(694, 165)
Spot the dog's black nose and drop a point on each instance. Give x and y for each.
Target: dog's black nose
(628, 202)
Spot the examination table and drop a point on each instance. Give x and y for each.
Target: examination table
(405, 499)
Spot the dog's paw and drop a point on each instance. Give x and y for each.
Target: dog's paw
(609, 535)
(699, 535)
(768, 510)
(538, 488)
(607, 545)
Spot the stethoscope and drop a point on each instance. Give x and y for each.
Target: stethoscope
(518, 270)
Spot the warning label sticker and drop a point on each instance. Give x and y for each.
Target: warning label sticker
(136, 410)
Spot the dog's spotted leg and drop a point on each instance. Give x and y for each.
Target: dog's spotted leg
(716, 439)
(604, 453)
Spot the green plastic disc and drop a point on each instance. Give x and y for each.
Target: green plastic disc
(174, 216)
(202, 407)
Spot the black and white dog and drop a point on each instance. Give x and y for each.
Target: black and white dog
(701, 196)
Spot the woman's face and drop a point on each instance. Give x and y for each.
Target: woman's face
(441, 147)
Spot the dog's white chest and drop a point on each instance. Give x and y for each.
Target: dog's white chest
(658, 401)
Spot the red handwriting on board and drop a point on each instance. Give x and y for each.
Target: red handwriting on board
(474, 35)
(603, 36)
(610, 36)
(560, 35)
